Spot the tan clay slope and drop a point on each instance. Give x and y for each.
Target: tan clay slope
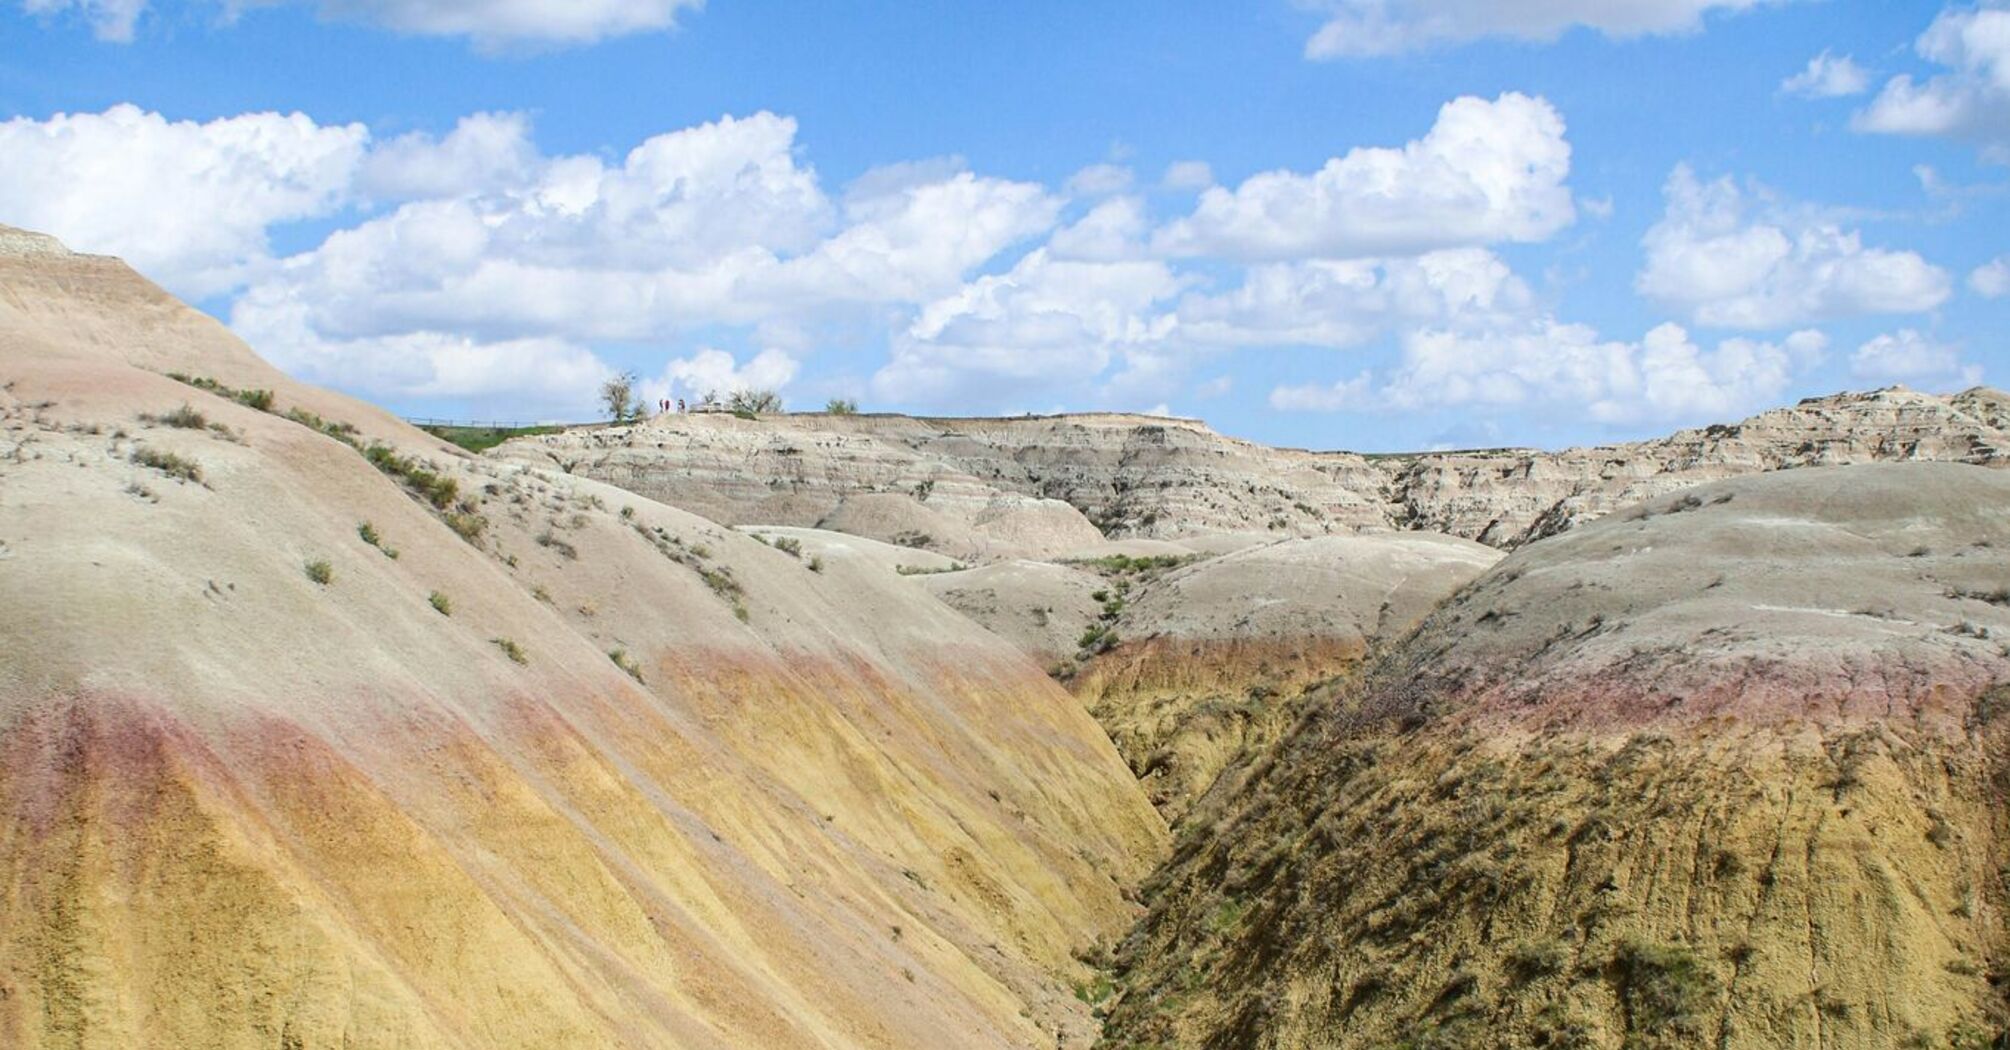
(1141, 476)
(1726, 770)
(417, 803)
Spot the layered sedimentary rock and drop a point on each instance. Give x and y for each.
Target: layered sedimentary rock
(1190, 660)
(987, 487)
(315, 732)
(1724, 769)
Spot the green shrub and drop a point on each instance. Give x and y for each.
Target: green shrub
(320, 572)
(168, 463)
(441, 603)
(622, 660)
(789, 545)
(816, 564)
(512, 650)
(186, 418)
(750, 403)
(368, 533)
(839, 406)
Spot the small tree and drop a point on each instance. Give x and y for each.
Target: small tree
(617, 397)
(755, 401)
(841, 406)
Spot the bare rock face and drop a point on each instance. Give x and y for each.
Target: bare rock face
(316, 732)
(1509, 498)
(1723, 769)
(1143, 476)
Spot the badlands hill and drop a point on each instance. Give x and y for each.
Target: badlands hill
(316, 732)
(1724, 769)
(1023, 487)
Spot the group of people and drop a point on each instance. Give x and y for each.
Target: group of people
(663, 404)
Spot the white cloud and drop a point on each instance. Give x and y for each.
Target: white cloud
(1355, 393)
(1909, 355)
(1486, 172)
(1349, 302)
(1187, 175)
(110, 20)
(711, 224)
(1732, 260)
(1551, 365)
(714, 224)
(1113, 230)
(484, 152)
(1047, 324)
(187, 203)
(1099, 180)
(714, 371)
(1828, 77)
(1359, 28)
(1991, 280)
(1970, 100)
(490, 24)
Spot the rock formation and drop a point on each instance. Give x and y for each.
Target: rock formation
(315, 732)
(1724, 769)
(955, 480)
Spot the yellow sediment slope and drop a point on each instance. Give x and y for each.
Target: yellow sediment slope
(571, 769)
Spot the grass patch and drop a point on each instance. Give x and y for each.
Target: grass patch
(436, 488)
(481, 439)
(626, 663)
(1666, 989)
(368, 534)
(185, 418)
(258, 399)
(789, 545)
(441, 603)
(320, 572)
(509, 648)
(177, 467)
(922, 570)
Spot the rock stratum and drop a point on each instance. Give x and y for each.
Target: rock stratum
(1040, 486)
(1725, 769)
(316, 732)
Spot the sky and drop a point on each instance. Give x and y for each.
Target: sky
(1368, 224)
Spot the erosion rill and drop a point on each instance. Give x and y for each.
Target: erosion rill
(1726, 769)
(316, 732)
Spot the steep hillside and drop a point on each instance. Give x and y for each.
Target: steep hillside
(988, 488)
(1727, 769)
(315, 732)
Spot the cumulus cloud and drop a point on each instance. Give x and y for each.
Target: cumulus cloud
(1188, 175)
(1828, 77)
(1488, 171)
(1731, 259)
(1908, 356)
(1047, 323)
(1663, 377)
(717, 224)
(1358, 28)
(490, 24)
(1099, 180)
(1991, 280)
(1344, 303)
(714, 371)
(484, 152)
(189, 203)
(1970, 100)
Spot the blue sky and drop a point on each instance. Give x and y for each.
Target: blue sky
(1372, 224)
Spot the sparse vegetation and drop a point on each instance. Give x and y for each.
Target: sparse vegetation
(481, 439)
(509, 648)
(437, 489)
(839, 406)
(174, 466)
(789, 545)
(755, 402)
(320, 572)
(185, 418)
(622, 660)
(816, 564)
(368, 533)
(617, 397)
(441, 603)
(258, 399)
